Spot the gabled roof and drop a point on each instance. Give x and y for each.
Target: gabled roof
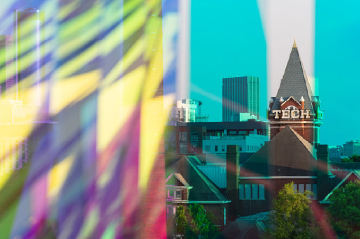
(203, 189)
(351, 175)
(291, 97)
(177, 177)
(294, 82)
(247, 227)
(287, 154)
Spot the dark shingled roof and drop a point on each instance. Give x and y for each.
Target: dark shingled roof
(287, 154)
(249, 227)
(203, 189)
(294, 82)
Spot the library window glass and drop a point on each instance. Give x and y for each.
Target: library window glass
(261, 192)
(247, 192)
(241, 191)
(314, 196)
(178, 194)
(255, 195)
(301, 188)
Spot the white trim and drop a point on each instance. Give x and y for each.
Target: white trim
(289, 99)
(182, 187)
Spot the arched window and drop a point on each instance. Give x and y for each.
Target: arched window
(291, 107)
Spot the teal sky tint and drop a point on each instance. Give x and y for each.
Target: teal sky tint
(227, 39)
(337, 66)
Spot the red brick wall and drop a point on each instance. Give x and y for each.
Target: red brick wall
(291, 102)
(272, 188)
(305, 130)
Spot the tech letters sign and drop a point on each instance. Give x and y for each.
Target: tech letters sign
(291, 114)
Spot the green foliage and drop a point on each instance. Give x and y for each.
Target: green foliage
(194, 222)
(345, 210)
(292, 217)
(355, 158)
(181, 220)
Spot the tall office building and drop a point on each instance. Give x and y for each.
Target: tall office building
(240, 95)
(8, 80)
(29, 57)
(351, 148)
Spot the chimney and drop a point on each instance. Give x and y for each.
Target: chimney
(232, 177)
(323, 171)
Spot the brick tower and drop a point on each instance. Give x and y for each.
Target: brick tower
(295, 105)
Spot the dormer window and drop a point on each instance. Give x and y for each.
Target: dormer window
(174, 194)
(178, 194)
(291, 107)
(177, 188)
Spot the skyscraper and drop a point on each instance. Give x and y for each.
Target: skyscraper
(240, 95)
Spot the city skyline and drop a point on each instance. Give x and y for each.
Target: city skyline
(234, 53)
(86, 150)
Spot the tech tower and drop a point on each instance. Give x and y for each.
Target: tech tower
(295, 105)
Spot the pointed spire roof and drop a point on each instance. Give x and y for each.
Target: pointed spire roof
(294, 45)
(294, 82)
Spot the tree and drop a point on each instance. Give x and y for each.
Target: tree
(194, 222)
(351, 159)
(181, 220)
(345, 210)
(291, 217)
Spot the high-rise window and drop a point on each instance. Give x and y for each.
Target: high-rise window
(240, 95)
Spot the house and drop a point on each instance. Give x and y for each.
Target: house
(186, 184)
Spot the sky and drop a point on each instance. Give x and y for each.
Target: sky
(238, 38)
